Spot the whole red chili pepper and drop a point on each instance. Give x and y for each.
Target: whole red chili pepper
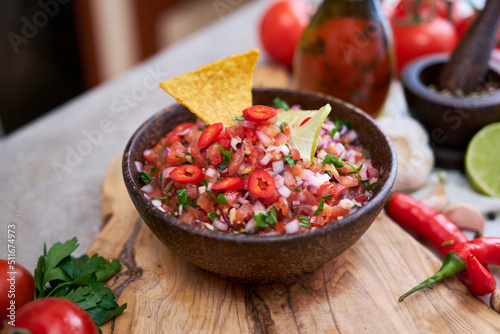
(413, 215)
(486, 250)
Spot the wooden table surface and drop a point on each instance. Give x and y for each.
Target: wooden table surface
(52, 169)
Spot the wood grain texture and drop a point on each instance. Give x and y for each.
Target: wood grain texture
(355, 293)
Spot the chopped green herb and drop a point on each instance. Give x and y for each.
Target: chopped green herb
(185, 163)
(167, 190)
(264, 220)
(212, 216)
(221, 199)
(333, 132)
(164, 198)
(282, 127)
(356, 170)
(238, 118)
(331, 159)
(183, 198)
(339, 122)
(304, 221)
(227, 158)
(320, 207)
(146, 177)
(288, 158)
(178, 157)
(80, 280)
(188, 154)
(327, 196)
(279, 103)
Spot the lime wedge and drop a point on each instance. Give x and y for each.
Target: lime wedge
(305, 137)
(482, 159)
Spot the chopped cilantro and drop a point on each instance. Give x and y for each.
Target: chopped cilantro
(282, 127)
(164, 198)
(212, 216)
(221, 199)
(146, 177)
(264, 220)
(356, 170)
(167, 190)
(279, 103)
(331, 159)
(320, 207)
(288, 158)
(327, 196)
(192, 157)
(333, 132)
(339, 122)
(227, 158)
(304, 221)
(238, 118)
(183, 198)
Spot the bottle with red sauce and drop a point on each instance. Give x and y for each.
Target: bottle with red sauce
(347, 52)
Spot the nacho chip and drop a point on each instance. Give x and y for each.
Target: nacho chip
(215, 91)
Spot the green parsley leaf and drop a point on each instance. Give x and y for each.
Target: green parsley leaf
(227, 158)
(238, 118)
(264, 220)
(146, 177)
(279, 103)
(221, 199)
(320, 207)
(183, 198)
(304, 221)
(356, 170)
(333, 132)
(212, 216)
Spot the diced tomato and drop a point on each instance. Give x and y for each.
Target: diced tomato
(261, 184)
(199, 158)
(251, 134)
(229, 183)
(206, 202)
(280, 139)
(191, 190)
(282, 204)
(244, 213)
(236, 161)
(348, 181)
(280, 226)
(151, 156)
(210, 134)
(231, 196)
(272, 199)
(259, 113)
(332, 188)
(236, 132)
(175, 158)
(187, 174)
(214, 154)
(295, 154)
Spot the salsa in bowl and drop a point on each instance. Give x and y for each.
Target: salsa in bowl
(253, 210)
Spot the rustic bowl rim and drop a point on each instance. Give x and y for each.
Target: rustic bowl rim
(252, 238)
(410, 80)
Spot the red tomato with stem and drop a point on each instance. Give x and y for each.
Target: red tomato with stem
(414, 40)
(210, 134)
(16, 285)
(259, 113)
(281, 27)
(230, 183)
(54, 316)
(261, 184)
(187, 174)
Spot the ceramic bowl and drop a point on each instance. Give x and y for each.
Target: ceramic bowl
(451, 121)
(252, 258)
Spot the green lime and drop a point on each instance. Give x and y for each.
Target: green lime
(305, 136)
(482, 159)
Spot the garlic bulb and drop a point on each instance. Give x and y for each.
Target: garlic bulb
(415, 157)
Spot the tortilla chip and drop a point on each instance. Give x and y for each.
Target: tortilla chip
(215, 91)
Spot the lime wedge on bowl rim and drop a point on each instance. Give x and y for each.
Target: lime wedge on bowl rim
(305, 137)
(482, 159)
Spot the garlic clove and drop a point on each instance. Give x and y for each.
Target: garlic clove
(415, 157)
(437, 199)
(465, 216)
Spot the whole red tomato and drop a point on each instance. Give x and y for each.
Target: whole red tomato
(17, 288)
(418, 39)
(55, 316)
(281, 27)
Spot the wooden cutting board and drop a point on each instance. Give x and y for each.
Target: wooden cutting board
(356, 293)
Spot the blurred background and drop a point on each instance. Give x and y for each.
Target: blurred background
(53, 50)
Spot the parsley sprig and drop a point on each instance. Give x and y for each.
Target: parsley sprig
(80, 280)
(264, 220)
(227, 158)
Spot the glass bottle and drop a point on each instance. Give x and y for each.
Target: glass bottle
(347, 52)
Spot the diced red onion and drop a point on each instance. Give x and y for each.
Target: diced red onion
(166, 172)
(302, 198)
(295, 203)
(241, 168)
(234, 142)
(278, 166)
(251, 226)
(285, 192)
(184, 132)
(167, 150)
(248, 124)
(236, 205)
(351, 136)
(209, 186)
(225, 170)
(156, 202)
(340, 150)
(258, 207)
(168, 184)
(138, 166)
(292, 227)
(210, 172)
(147, 188)
(242, 200)
(271, 148)
(295, 107)
(147, 197)
(284, 149)
(220, 225)
(266, 159)
(264, 139)
(181, 206)
(306, 174)
(279, 181)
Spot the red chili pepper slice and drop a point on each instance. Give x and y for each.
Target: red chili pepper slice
(259, 113)
(261, 184)
(230, 183)
(209, 135)
(187, 174)
(182, 127)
